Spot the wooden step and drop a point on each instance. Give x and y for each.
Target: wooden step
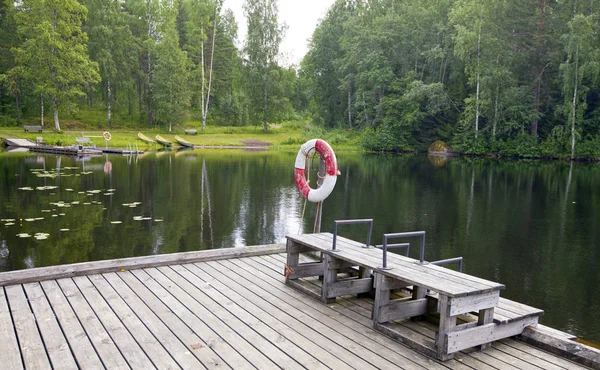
(508, 311)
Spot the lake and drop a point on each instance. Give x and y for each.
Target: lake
(531, 225)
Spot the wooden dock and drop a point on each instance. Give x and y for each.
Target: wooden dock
(211, 309)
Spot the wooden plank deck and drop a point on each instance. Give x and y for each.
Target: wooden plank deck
(214, 309)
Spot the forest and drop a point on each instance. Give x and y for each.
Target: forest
(505, 77)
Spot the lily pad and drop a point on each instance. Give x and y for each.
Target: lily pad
(116, 222)
(64, 229)
(9, 224)
(24, 235)
(158, 220)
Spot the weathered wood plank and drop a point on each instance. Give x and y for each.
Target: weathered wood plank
(356, 355)
(388, 283)
(226, 324)
(31, 344)
(87, 268)
(568, 349)
(54, 341)
(397, 310)
(261, 322)
(446, 276)
(104, 345)
(285, 324)
(197, 336)
(358, 312)
(541, 354)
(363, 336)
(484, 334)
(329, 277)
(307, 269)
(533, 361)
(10, 355)
(150, 344)
(350, 287)
(85, 355)
(162, 323)
(447, 323)
(403, 268)
(128, 346)
(461, 305)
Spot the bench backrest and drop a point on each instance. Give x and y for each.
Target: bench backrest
(439, 279)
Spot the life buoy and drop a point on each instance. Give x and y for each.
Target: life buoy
(321, 147)
(106, 135)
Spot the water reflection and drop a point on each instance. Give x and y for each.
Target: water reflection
(533, 226)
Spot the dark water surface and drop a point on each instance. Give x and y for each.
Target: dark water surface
(533, 226)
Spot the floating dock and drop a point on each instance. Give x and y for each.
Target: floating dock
(227, 308)
(73, 151)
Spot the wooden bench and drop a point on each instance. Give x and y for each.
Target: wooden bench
(454, 293)
(32, 128)
(191, 132)
(83, 140)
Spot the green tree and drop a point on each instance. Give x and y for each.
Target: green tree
(111, 46)
(169, 86)
(201, 34)
(261, 49)
(54, 53)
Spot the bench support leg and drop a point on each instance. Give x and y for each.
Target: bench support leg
(382, 297)
(293, 259)
(447, 323)
(485, 317)
(329, 277)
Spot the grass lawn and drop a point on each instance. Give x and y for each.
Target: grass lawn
(286, 136)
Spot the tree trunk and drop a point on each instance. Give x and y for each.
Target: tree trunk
(55, 108)
(349, 103)
(496, 112)
(202, 82)
(108, 100)
(574, 106)
(42, 109)
(18, 107)
(265, 125)
(90, 96)
(205, 105)
(149, 94)
(537, 91)
(478, 85)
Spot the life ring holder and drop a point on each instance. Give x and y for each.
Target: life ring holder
(331, 170)
(106, 135)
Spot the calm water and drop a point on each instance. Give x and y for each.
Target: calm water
(533, 226)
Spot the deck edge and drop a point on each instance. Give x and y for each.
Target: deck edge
(565, 348)
(130, 263)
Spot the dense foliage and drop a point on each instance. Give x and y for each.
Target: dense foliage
(506, 77)
(141, 62)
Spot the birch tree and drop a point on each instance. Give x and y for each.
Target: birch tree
(262, 47)
(201, 36)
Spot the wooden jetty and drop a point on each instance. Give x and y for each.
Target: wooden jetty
(222, 309)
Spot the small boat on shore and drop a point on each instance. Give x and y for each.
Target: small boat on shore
(145, 138)
(161, 140)
(183, 142)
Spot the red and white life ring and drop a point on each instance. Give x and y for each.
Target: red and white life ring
(321, 147)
